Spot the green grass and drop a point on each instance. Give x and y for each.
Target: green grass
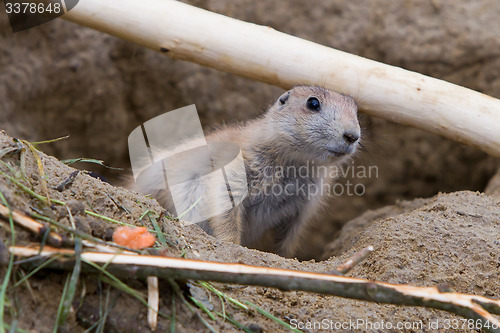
(60, 309)
(49, 141)
(6, 278)
(117, 283)
(174, 318)
(88, 160)
(202, 307)
(109, 219)
(161, 236)
(179, 294)
(78, 233)
(181, 215)
(235, 322)
(69, 288)
(273, 318)
(157, 230)
(219, 293)
(38, 268)
(70, 285)
(13, 328)
(110, 279)
(29, 191)
(242, 306)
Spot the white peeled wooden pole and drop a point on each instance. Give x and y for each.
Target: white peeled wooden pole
(262, 53)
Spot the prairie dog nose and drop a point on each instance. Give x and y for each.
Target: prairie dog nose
(351, 136)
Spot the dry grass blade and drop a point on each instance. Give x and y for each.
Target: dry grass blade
(469, 306)
(28, 190)
(50, 140)
(40, 168)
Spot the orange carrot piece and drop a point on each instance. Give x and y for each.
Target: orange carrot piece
(134, 238)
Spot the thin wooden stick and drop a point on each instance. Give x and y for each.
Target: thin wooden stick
(58, 240)
(153, 301)
(141, 266)
(34, 226)
(262, 53)
(354, 260)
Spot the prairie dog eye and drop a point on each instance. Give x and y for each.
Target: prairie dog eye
(313, 104)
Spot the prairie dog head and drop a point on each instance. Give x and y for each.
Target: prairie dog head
(314, 123)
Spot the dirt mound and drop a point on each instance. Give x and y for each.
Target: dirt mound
(450, 239)
(60, 79)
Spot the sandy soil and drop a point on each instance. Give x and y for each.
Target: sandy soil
(425, 212)
(450, 239)
(60, 79)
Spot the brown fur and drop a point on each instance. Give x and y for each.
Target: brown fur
(289, 135)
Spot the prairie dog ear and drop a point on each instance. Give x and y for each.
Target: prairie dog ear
(283, 98)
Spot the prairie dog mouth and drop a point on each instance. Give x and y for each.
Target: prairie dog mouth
(336, 153)
(339, 152)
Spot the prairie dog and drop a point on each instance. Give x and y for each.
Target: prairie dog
(287, 152)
